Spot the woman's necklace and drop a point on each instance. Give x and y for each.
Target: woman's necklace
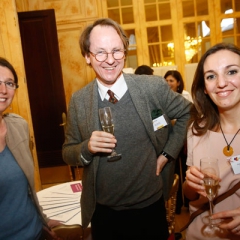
(228, 150)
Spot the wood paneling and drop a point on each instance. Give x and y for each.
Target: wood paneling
(71, 17)
(11, 49)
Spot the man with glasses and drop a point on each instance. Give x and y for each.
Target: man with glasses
(125, 198)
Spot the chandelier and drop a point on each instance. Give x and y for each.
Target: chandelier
(191, 46)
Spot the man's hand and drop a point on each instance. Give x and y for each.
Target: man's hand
(161, 161)
(101, 141)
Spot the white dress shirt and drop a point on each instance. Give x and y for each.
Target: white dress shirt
(119, 88)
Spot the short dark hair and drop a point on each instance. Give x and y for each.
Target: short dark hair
(84, 40)
(144, 69)
(176, 74)
(5, 63)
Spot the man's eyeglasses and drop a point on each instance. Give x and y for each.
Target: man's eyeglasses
(9, 84)
(102, 56)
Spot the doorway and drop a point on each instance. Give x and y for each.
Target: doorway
(45, 84)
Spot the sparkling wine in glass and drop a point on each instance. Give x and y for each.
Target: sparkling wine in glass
(209, 167)
(107, 123)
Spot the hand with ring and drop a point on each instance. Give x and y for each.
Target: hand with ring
(237, 229)
(230, 220)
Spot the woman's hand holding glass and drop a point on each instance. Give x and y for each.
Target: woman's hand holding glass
(209, 167)
(194, 181)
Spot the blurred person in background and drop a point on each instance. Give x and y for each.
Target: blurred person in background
(175, 81)
(144, 70)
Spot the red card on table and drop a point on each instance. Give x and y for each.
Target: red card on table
(76, 187)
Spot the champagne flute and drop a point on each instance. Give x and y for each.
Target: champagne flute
(107, 123)
(209, 167)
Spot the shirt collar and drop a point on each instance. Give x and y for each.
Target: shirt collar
(119, 88)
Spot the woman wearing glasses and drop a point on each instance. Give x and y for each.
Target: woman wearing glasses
(21, 215)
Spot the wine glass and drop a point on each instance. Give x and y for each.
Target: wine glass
(209, 167)
(106, 120)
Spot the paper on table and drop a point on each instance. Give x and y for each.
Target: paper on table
(66, 193)
(60, 205)
(52, 196)
(66, 189)
(62, 202)
(65, 216)
(58, 202)
(54, 211)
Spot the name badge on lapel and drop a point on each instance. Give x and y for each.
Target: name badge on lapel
(235, 163)
(159, 119)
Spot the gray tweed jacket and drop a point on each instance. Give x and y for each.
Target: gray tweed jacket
(148, 93)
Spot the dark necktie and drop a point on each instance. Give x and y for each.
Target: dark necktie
(112, 99)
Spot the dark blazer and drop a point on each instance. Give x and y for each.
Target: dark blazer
(148, 93)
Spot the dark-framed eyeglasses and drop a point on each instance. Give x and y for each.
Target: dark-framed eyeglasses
(9, 84)
(102, 56)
